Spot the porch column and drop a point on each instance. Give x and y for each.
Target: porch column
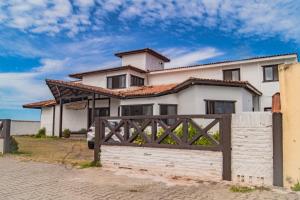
(53, 120)
(93, 108)
(88, 114)
(60, 116)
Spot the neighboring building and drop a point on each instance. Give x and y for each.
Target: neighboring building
(142, 86)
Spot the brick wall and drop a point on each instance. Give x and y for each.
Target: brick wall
(252, 148)
(206, 165)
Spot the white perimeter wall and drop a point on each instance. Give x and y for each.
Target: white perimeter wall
(252, 151)
(169, 162)
(19, 127)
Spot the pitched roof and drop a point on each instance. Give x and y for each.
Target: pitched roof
(138, 92)
(224, 62)
(40, 104)
(146, 50)
(78, 86)
(79, 75)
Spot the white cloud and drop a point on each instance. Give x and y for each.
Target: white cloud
(245, 18)
(184, 57)
(51, 66)
(19, 88)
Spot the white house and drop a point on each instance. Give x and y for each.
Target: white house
(142, 86)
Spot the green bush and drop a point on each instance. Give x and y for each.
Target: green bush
(296, 187)
(241, 189)
(66, 133)
(82, 131)
(179, 132)
(41, 133)
(13, 145)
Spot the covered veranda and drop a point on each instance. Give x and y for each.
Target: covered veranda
(71, 92)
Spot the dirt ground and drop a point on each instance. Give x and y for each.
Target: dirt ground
(54, 150)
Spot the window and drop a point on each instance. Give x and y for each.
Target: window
(136, 81)
(168, 109)
(114, 82)
(268, 109)
(220, 107)
(99, 112)
(135, 110)
(270, 73)
(231, 74)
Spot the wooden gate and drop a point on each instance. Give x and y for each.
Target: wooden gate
(198, 132)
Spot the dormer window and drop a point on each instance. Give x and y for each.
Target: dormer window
(136, 81)
(116, 82)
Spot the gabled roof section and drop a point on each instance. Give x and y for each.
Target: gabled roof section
(146, 50)
(215, 82)
(81, 74)
(40, 104)
(66, 88)
(227, 62)
(63, 88)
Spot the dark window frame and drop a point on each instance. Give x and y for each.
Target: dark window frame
(97, 110)
(207, 101)
(137, 78)
(168, 121)
(273, 78)
(122, 107)
(108, 77)
(231, 70)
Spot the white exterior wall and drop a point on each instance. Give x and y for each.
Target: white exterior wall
(100, 79)
(19, 127)
(136, 60)
(74, 119)
(206, 165)
(252, 148)
(189, 101)
(47, 119)
(252, 72)
(192, 99)
(144, 61)
(153, 63)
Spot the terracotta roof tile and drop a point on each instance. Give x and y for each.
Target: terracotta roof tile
(40, 104)
(79, 75)
(136, 92)
(148, 90)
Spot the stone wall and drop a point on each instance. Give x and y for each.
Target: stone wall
(252, 155)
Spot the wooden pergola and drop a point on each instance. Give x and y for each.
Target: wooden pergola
(66, 92)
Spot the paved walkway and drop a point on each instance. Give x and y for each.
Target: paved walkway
(34, 180)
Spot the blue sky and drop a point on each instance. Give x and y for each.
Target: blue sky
(51, 38)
